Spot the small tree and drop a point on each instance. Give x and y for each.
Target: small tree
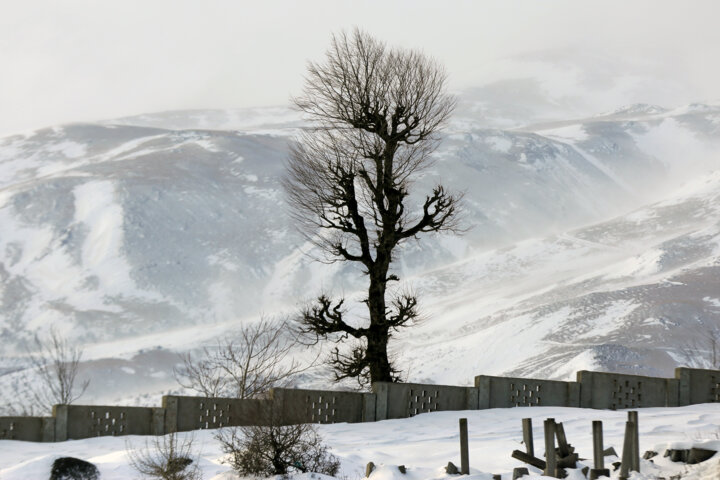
(258, 359)
(165, 458)
(57, 364)
(376, 115)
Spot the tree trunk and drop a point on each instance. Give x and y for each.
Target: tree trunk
(377, 338)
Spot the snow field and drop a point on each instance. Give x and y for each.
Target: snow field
(424, 444)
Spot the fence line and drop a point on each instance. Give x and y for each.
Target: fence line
(600, 390)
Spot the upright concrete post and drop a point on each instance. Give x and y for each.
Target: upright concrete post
(598, 453)
(598, 457)
(626, 461)
(528, 436)
(464, 451)
(635, 458)
(550, 454)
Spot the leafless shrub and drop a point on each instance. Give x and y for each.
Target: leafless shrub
(56, 362)
(276, 450)
(246, 367)
(165, 458)
(703, 351)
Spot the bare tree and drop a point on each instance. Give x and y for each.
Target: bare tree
(165, 458)
(257, 360)
(703, 351)
(376, 114)
(57, 364)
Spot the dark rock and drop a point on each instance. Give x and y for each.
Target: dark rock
(70, 468)
(518, 472)
(596, 473)
(402, 469)
(369, 468)
(698, 455)
(679, 455)
(451, 469)
(649, 454)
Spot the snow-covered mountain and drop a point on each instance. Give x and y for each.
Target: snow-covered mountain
(175, 222)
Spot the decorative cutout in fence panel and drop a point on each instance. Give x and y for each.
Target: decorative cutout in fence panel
(104, 422)
(626, 394)
(214, 414)
(423, 400)
(321, 408)
(525, 394)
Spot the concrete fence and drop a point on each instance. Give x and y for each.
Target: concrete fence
(284, 406)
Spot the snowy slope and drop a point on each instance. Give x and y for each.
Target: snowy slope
(424, 444)
(155, 234)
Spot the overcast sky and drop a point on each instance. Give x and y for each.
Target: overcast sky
(74, 60)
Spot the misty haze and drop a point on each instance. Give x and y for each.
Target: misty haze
(143, 217)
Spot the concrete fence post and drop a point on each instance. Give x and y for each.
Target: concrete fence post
(598, 453)
(635, 458)
(550, 454)
(528, 436)
(60, 412)
(626, 461)
(464, 449)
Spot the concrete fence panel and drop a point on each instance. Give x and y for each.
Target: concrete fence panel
(183, 414)
(698, 385)
(322, 406)
(85, 421)
(29, 429)
(403, 400)
(506, 392)
(618, 391)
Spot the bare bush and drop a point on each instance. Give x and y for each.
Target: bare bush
(246, 367)
(276, 450)
(165, 458)
(703, 351)
(57, 364)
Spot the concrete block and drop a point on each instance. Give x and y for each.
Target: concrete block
(158, 421)
(369, 405)
(60, 412)
(482, 383)
(48, 429)
(381, 392)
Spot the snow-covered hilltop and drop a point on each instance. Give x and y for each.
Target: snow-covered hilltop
(165, 229)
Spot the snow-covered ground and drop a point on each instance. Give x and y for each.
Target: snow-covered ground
(424, 444)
